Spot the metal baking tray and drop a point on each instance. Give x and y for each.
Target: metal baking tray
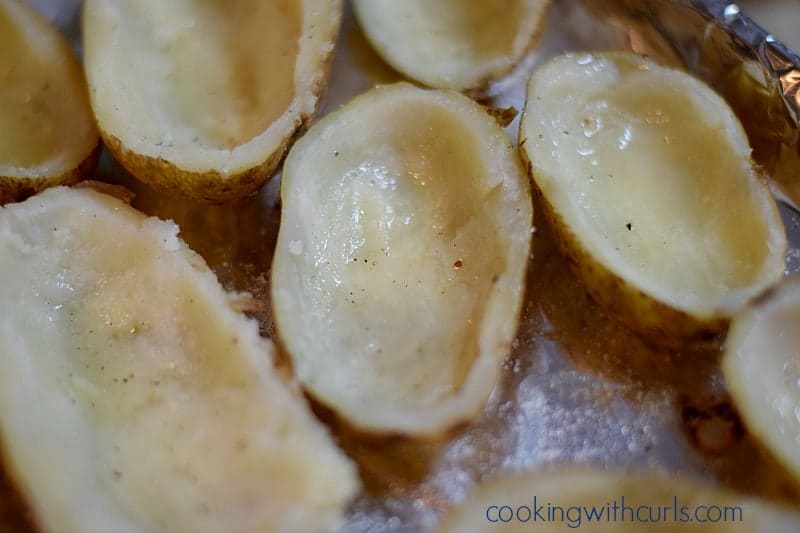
(578, 387)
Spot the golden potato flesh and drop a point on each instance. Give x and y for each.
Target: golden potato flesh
(762, 370)
(399, 270)
(576, 499)
(202, 98)
(452, 44)
(47, 132)
(132, 397)
(645, 175)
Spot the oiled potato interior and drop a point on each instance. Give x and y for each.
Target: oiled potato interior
(133, 398)
(653, 173)
(394, 223)
(450, 43)
(44, 109)
(206, 73)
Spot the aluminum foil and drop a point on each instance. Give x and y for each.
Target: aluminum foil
(578, 387)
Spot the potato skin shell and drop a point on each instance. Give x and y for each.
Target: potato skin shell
(14, 189)
(337, 417)
(481, 89)
(212, 186)
(655, 321)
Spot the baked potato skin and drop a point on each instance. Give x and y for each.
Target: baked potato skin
(498, 177)
(14, 189)
(655, 321)
(481, 89)
(17, 188)
(211, 186)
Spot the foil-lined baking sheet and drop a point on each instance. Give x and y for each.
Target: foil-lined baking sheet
(578, 387)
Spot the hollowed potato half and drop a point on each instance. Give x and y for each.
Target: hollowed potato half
(399, 270)
(47, 132)
(645, 176)
(133, 398)
(762, 370)
(202, 98)
(452, 44)
(577, 498)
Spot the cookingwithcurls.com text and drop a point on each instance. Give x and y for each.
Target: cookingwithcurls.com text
(615, 511)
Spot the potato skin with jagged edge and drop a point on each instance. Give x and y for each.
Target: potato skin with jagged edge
(124, 363)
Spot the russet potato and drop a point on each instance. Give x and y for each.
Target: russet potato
(47, 132)
(399, 271)
(133, 397)
(453, 44)
(200, 98)
(645, 176)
